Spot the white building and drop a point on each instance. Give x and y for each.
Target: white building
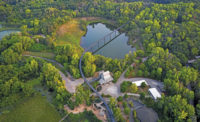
(197, 57)
(154, 93)
(105, 77)
(139, 83)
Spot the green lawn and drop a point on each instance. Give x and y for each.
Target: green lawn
(33, 109)
(34, 82)
(40, 54)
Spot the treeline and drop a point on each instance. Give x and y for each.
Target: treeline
(162, 1)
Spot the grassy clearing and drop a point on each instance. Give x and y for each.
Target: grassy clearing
(38, 47)
(40, 54)
(69, 33)
(34, 82)
(33, 109)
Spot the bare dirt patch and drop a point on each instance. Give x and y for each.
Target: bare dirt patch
(83, 107)
(69, 27)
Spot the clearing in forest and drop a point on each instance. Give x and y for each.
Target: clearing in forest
(69, 32)
(40, 54)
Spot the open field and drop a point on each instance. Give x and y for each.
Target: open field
(33, 109)
(69, 32)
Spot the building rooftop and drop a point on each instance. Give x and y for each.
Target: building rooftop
(154, 92)
(105, 77)
(139, 83)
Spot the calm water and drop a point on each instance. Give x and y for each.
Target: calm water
(118, 48)
(7, 32)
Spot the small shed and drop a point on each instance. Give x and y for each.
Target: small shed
(139, 83)
(154, 93)
(105, 77)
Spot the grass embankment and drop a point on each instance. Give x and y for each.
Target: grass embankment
(4, 27)
(40, 54)
(9, 28)
(32, 109)
(90, 20)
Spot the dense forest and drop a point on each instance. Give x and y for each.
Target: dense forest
(167, 31)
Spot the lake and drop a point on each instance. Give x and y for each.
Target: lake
(7, 32)
(117, 48)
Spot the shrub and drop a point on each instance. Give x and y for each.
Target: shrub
(142, 96)
(127, 110)
(139, 73)
(124, 86)
(125, 96)
(143, 85)
(131, 104)
(133, 88)
(120, 98)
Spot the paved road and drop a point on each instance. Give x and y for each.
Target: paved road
(69, 84)
(136, 106)
(144, 113)
(193, 60)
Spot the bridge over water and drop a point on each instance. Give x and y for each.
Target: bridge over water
(94, 47)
